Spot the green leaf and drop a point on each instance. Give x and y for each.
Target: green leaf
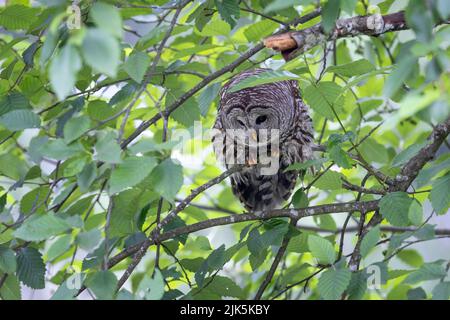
(107, 149)
(395, 208)
(101, 51)
(439, 198)
(307, 164)
(415, 213)
(340, 157)
(75, 128)
(151, 288)
(41, 227)
(410, 257)
(333, 282)
(136, 65)
(369, 241)
(330, 180)
(264, 77)
(13, 101)
(400, 74)
(323, 97)
(321, 249)
(259, 30)
(416, 294)
(87, 176)
(429, 271)
(371, 149)
(89, 240)
(127, 205)
(277, 5)
(353, 68)
(57, 149)
(31, 268)
(130, 172)
(207, 97)
(11, 289)
(223, 287)
(300, 199)
(20, 119)
(167, 178)
(16, 17)
(107, 18)
(330, 12)
(102, 284)
(441, 291)
(229, 10)
(63, 70)
(187, 113)
(405, 155)
(59, 247)
(298, 244)
(8, 262)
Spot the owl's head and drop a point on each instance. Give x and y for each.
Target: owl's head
(267, 106)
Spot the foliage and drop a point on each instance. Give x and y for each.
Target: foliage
(76, 190)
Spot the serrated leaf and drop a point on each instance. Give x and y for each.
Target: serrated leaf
(16, 17)
(16, 120)
(395, 208)
(429, 271)
(330, 180)
(229, 10)
(75, 128)
(321, 249)
(14, 100)
(353, 68)
(31, 268)
(167, 179)
(324, 97)
(260, 30)
(41, 228)
(130, 172)
(333, 282)
(136, 65)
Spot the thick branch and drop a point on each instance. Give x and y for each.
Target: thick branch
(294, 43)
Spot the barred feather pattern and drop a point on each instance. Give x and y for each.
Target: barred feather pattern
(282, 108)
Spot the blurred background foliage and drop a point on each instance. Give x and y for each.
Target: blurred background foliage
(71, 94)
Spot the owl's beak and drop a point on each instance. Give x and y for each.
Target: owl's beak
(254, 136)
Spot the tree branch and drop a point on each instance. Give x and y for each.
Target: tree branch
(292, 44)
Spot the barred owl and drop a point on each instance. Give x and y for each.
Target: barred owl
(275, 112)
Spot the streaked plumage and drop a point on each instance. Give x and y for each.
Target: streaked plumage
(269, 106)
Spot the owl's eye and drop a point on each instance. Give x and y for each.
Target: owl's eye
(260, 119)
(240, 123)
